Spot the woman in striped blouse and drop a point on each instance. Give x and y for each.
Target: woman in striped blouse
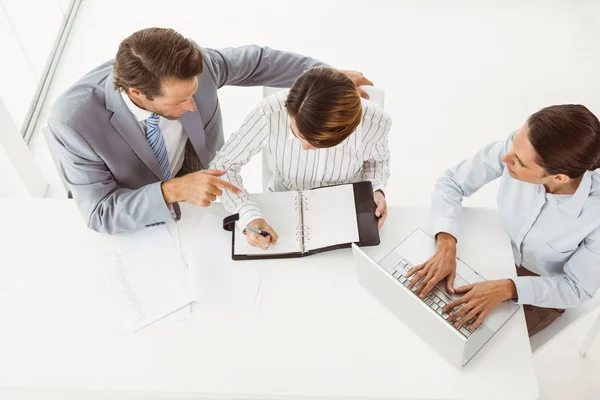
(319, 133)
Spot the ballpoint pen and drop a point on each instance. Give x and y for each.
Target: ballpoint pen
(257, 231)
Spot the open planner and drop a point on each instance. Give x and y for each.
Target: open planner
(311, 221)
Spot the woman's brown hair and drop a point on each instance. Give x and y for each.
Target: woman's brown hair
(325, 105)
(566, 139)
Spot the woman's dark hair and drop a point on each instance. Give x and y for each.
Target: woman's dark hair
(325, 105)
(566, 139)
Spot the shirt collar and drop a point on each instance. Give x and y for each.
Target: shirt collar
(573, 206)
(139, 113)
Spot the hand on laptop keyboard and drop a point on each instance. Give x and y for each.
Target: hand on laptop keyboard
(441, 265)
(478, 300)
(437, 300)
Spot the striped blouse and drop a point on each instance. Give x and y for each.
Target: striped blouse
(364, 155)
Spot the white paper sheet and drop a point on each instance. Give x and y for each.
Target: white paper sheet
(218, 283)
(330, 217)
(174, 232)
(280, 210)
(149, 279)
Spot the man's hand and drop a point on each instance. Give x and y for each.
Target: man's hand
(359, 79)
(381, 211)
(479, 300)
(256, 240)
(198, 188)
(441, 265)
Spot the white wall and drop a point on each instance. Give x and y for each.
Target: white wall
(19, 174)
(28, 31)
(10, 183)
(17, 79)
(64, 5)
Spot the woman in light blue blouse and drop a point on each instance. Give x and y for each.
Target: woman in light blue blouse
(549, 202)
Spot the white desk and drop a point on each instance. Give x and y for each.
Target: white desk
(317, 333)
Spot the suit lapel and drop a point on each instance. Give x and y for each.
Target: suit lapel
(130, 130)
(124, 122)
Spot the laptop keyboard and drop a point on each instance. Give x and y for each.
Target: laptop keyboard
(436, 300)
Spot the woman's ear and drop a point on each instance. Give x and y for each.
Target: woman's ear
(561, 179)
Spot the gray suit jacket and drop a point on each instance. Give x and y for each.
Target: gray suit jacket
(104, 157)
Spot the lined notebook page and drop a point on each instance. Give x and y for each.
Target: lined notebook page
(330, 217)
(280, 211)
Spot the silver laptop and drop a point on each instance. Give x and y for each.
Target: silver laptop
(387, 281)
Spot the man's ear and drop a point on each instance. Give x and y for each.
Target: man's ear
(134, 93)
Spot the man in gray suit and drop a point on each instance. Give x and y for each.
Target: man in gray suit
(132, 135)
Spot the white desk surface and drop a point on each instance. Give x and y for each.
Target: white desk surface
(317, 332)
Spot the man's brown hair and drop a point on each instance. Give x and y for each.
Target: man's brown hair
(566, 139)
(150, 56)
(325, 105)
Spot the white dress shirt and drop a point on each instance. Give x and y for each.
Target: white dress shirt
(172, 131)
(555, 236)
(364, 155)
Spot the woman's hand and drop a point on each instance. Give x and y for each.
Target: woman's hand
(479, 299)
(256, 240)
(381, 211)
(441, 265)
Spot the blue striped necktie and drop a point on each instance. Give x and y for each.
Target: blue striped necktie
(157, 144)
